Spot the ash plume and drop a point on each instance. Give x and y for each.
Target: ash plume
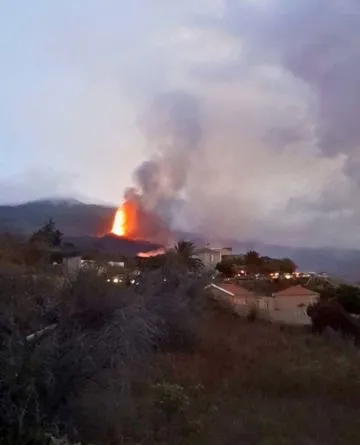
(276, 148)
(250, 129)
(173, 132)
(316, 41)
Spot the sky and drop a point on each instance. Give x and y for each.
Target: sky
(250, 105)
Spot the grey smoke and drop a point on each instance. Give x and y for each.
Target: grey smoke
(304, 50)
(172, 125)
(252, 131)
(317, 41)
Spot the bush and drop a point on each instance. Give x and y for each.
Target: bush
(178, 303)
(96, 327)
(253, 313)
(171, 416)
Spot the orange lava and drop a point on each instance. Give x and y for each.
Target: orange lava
(151, 253)
(119, 225)
(125, 220)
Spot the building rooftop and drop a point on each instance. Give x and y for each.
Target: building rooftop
(204, 250)
(233, 290)
(296, 291)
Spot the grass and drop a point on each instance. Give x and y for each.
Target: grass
(250, 383)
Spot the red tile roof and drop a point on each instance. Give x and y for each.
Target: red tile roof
(296, 291)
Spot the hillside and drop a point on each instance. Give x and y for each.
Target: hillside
(72, 217)
(112, 244)
(79, 221)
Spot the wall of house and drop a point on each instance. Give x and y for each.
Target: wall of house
(287, 309)
(210, 259)
(72, 265)
(292, 309)
(242, 304)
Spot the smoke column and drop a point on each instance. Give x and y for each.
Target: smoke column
(173, 132)
(273, 151)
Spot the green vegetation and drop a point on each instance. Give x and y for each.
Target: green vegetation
(161, 363)
(184, 254)
(97, 330)
(348, 296)
(254, 264)
(48, 235)
(226, 269)
(158, 365)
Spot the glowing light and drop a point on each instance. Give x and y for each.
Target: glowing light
(126, 220)
(151, 253)
(119, 225)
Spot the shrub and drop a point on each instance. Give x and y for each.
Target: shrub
(178, 303)
(172, 417)
(253, 313)
(96, 327)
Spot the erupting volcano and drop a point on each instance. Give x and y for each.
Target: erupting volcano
(125, 221)
(119, 225)
(134, 222)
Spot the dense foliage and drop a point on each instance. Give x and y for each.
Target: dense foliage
(348, 296)
(151, 362)
(59, 334)
(253, 263)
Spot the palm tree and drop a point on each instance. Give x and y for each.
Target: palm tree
(185, 256)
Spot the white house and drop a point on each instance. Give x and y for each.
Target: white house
(239, 298)
(289, 305)
(209, 257)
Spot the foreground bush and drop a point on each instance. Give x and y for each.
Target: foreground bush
(95, 328)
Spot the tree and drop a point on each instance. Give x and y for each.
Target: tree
(349, 298)
(226, 268)
(48, 235)
(38, 248)
(287, 266)
(269, 265)
(185, 256)
(253, 261)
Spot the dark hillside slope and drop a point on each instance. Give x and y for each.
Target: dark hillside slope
(73, 218)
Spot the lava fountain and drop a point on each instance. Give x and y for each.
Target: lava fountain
(133, 221)
(119, 225)
(126, 222)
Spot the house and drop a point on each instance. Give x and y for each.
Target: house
(209, 256)
(72, 264)
(289, 305)
(68, 257)
(226, 251)
(239, 298)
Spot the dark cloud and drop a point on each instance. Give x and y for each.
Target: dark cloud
(317, 41)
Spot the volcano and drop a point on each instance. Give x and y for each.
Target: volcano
(125, 246)
(111, 244)
(134, 221)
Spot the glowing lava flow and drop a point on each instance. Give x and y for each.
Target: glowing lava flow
(119, 225)
(152, 253)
